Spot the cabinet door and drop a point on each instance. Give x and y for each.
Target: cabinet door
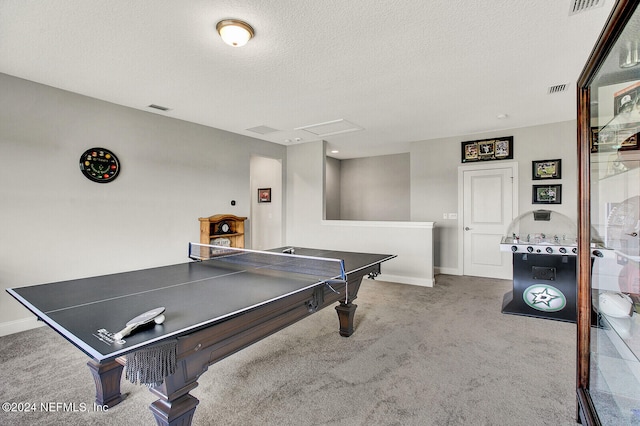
(609, 293)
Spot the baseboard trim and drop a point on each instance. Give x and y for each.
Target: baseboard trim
(447, 271)
(423, 282)
(11, 327)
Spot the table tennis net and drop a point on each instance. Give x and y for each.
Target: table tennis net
(320, 268)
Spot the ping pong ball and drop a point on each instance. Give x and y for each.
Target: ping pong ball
(159, 319)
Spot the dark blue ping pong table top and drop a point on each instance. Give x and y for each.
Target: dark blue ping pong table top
(89, 311)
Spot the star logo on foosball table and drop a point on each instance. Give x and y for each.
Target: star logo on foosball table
(543, 297)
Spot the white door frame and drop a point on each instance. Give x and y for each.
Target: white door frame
(481, 166)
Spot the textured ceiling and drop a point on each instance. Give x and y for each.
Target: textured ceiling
(402, 70)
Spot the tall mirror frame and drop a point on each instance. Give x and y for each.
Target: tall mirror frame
(608, 345)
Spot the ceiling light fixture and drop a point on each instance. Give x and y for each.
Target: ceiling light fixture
(234, 32)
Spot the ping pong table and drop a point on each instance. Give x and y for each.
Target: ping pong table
(222, 301)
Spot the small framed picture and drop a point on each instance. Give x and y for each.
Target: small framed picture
(470, 152)
(547, 194)
(264, 195)
(488, 149)
(546, 169)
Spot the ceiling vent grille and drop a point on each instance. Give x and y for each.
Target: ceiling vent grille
(558, 88)
(329, 128)
(160, 107)
(263, 130)
(578, 6)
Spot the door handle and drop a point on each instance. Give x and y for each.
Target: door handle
(466, 228)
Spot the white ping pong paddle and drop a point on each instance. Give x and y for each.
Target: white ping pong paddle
(142, 319)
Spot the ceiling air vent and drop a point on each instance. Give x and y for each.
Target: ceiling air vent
(160, 107)
(578, 6)
(263, 130)
(558, 88)
(329, 128)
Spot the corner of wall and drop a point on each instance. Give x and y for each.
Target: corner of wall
(16, 326)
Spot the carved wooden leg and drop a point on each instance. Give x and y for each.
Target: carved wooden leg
(107, 377)
(346, 309)
(178, 412)
(175, 406)
(346, 312)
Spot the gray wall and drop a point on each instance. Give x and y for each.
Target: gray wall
(332, 188)
(434, 180)
(56, 224)
(174, 172)
(370, 188)
(267, 219)
(410, 241)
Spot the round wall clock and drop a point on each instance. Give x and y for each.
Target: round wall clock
(223, 228)
(99, 165)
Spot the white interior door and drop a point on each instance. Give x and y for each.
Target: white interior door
(487, 210)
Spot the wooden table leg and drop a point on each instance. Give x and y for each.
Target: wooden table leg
(178, 412)
(176, 406)
(347, 309)
(107, 378)
(346, 312)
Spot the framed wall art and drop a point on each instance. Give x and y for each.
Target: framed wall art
(264, 195)
(546, 169)
(547, 194)
(487, 149)
(617, 138)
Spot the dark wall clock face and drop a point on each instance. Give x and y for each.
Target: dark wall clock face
(99, 165)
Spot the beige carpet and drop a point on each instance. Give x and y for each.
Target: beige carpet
(419, 356)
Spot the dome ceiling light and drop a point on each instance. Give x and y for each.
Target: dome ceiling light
(234, 32)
